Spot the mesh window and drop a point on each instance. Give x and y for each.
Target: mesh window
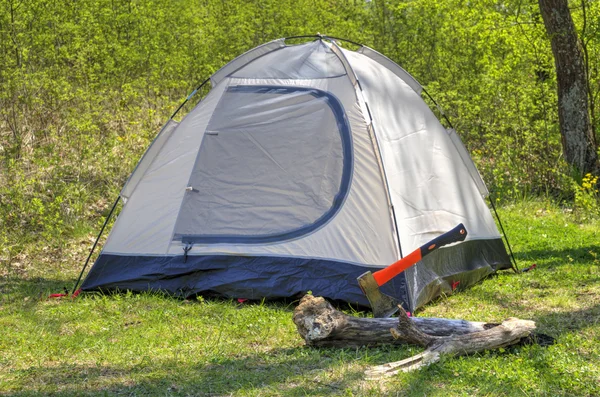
(275, 163)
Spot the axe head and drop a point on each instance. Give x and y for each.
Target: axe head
(382, 305)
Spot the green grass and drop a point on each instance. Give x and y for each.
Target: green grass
(148, 344)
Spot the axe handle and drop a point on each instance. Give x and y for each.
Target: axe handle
(459, 233)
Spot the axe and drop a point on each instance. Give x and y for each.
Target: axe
(384, 305)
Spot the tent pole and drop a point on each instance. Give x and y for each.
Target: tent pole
(319, 36)
(189, 97)
(514, 261)
(96, 242)
(439, 108)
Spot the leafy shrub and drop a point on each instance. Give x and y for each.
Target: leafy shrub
(586, 200)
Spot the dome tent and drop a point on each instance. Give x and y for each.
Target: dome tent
(303, 167)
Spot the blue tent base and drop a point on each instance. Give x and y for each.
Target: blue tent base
(249, 277)
(258, 277)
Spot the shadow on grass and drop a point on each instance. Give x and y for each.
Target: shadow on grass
(282, 371)
(551, 318)
(444, 379)
(33, 289)
(553, 258)
(566, 321)
(542, 368)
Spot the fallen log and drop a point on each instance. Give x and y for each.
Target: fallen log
(323, 326)
(509, 332)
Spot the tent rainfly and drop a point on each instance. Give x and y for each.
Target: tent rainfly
(303, 167)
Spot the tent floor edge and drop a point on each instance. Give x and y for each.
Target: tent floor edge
(233, 276)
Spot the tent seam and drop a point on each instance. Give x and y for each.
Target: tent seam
(374, 143)
(247, 63)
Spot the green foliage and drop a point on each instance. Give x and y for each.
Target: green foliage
(85, 86)
(586, 197)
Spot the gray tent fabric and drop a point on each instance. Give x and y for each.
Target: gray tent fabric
(312, 61)
(245, 177)
(305, 166)
(147, 159)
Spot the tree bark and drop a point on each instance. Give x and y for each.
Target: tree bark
(578, 140)
(323, 326)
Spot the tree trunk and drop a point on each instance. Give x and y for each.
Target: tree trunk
(578, 141)
(321, 325)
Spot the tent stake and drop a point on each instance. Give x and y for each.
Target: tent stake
(96, 242)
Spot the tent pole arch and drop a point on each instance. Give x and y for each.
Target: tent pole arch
(375, 143)
(319, 36)
(439, 108)
(189, 97)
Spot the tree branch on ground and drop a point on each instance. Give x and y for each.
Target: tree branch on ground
(321, 325)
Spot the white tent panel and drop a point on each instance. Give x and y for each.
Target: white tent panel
(468, 161)
(338, 86)
(430, 186)
(313, 60)
(146, 222)
(362, 231)
(392, 67)
(337, 50)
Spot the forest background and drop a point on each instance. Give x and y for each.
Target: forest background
(86, 85)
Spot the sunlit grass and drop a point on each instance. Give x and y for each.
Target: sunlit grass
(149, 344)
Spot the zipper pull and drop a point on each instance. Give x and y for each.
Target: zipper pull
(186, 249)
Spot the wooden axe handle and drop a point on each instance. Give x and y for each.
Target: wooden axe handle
(459, 233)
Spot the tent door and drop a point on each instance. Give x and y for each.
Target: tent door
(275, 163)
